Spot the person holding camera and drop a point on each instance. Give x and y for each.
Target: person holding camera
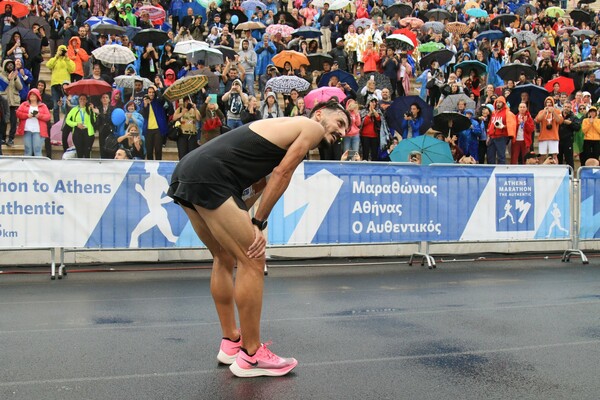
(156, 125)
(188, 116)
(33, 116)
(550, 118)
(133, 142)
(236, 100)
(369, 132)
(566, 135)
(501, 128)
(412, 122)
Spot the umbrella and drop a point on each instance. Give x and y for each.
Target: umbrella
(503, 19)
(287, 19)
(295, 58)
(490, 35)
(108, 29)
(186, 86)
(228, 52)
(100, 20)
(457, 28)
(569, 29)
(586, 1)
(477, 13)
(284, 30)
(511, 72)
(537, 96)
(439, 14)
(586, 66)
(448, 121)
(31, 20)
(114, 54)
(154, 36)
(414, 23)
(89, 87)
(430, 47)
(566, 85)
(402, 9)
(333, 4)
(322, 94)
(214, 80)
(522, 10)
(409, 34)
(252, 5)
(250, 25)
(206, 3)
(56, 134)
(130, 31)
(363, 22)
(394, 114)
(471, 4)
(584, 32)
(154, 13)
(467, 66)
(580, 16)
(316, 60)
(238, 13)
(342, 76)
(307, 32)
(189, 46)
(433, 151)
(442, 56)
(208, 55)
(450, 103)
(400, 41)
(554, 12)
(284, 84)
(381, 81)
(526, 36)
(128, 81)
(29, 40)
(436, 26)
(532, 54)
(19, 10)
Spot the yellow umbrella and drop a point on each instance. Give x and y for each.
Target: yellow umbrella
(186, 86)
(295, 58)
(471, 4)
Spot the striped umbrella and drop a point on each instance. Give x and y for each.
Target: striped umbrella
(114, 54)
(186, 86)
(154, 13)
(457, 28)
(284, 30)
(284, 84)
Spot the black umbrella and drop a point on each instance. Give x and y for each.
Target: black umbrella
(450, 122)
(29, 40)
(227, 52)
(381, 81)
(537, 96)
(130, 31)
(154, 36)
(108, 29)
(239, 13)
(586, 1)
(289, 19)
(316, 61)
(513, 71)
(503, 19)
(394, 115)
(442, 56)
(402, 9)
(439, 14)
(31, 20)
(580, 16)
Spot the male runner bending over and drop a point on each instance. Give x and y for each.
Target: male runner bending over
(208, 184)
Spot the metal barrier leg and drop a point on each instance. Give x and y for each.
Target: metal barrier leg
(424, 256)
(53, 264)
(62, 270)
(574, 252)
(266, 270)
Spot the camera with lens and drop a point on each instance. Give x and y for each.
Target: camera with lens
(34, 112)
(63, 52)
(408, 114)
(498, 125)
(549, 126)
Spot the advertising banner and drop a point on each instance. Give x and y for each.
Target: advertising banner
(589, 225)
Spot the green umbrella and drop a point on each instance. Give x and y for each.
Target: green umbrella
(430, 47)
(555, 12)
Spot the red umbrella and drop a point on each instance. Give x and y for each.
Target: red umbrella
(410, 34)
(323, 94)
(19, 10)
(566, 85)
(89, 87)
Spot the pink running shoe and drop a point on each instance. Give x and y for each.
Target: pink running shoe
(229, 351)
(262, 363)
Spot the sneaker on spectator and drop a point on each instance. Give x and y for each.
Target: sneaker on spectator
(229, 350)
(10, 143)
(262, 363)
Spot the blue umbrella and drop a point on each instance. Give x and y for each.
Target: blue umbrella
(394, 115)
(490, 35)
(432, 150)
(100, 20)
(307, 32)
(477, 13)
(537, 96)
(343, 77)
(252, 4)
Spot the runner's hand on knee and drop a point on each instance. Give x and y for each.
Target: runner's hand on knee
(258, 247)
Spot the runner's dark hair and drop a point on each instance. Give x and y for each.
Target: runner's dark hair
(332, 104)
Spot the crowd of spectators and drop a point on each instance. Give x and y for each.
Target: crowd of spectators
(485, 54)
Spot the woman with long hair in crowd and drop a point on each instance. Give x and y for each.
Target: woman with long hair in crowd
(81, 119)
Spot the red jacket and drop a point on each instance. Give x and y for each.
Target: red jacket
(528, 129)
(43, 114)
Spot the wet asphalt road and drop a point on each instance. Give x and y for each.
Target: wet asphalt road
(486, 330)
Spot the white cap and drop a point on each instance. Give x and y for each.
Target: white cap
(339, 40)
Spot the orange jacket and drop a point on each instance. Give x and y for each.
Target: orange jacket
(77, 54)
(591, 129)
(549, 122)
